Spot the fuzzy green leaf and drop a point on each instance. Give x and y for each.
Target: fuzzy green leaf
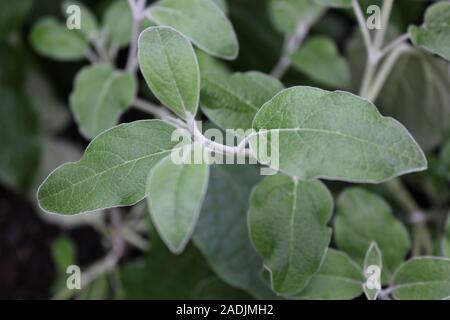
(100, 95)
(288, 228)
(373, 266)
(232, 101)
(175, 195)
(434, 34)
(337, 136)
(202, 21)
(169, 65)
(422, 278)
(365, 216)
(19, 140)
(287, 14)
(118, 22)
(88, 21)
(112, 171)
(222, 230)
(319, 58)
(335, 3)
(338, 278)
(52, 39)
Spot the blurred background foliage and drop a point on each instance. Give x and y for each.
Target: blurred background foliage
(38, 133)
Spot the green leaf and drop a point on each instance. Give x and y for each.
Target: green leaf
(209, 64)
(163, 275)
(19, 140)
(88, 21)
(175, 194)
(52, 39)
(202, 21)
(169, 65)
(53, 114)
(422, 103)
(338, 278)
(373, 266)
(112, 171)
(444, 159)
(215, 289)
(118, 22)
(363, 217)
(422, 278)
(222, 230)
(222, 4)
(12, 14)
(434, 34)
(337, 136)
(287, 14)
(446, 238)
(64, 253)
(232, 101)
(335, 3)
(319, 58)
(100, 95)
(288, 228)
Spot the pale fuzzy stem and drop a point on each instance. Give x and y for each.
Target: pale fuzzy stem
(291, 45)
(137, 8)
(362, 25)
(395, 43)
(91, 56)
(214, 146)
(385, 14)
(158, 112)
(384, 72)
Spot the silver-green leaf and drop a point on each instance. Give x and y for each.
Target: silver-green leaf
(118, 22)
(339, 278)
(319, 58)
(202, 21)
(363, 217)
(287, 14)
(112, 171)
(422, 278)
(232, 101)
(170, 67)
(52, 39)
(222, 230)
(434, 33)
(336, 136)
(288, 228)
(100, 95)
(175, 195)
(373, 265)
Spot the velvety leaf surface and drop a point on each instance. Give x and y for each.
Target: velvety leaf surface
(422, 278)
(337, 136)
(338, 278)
(118, 21)
(169, 65)
(88, 21)
(52, 39)
(363, 217)
(232, 101)
(319, 59)
(288, 228)
(335, 3)
(19, 140)
(100, 95)
(112, 171)
(372, 260)
(287, 14)
(222, 230)
(175, 195)
(202, 21)
(434, 33)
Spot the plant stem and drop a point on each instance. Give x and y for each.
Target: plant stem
(137, 9)
(291, 44)
(372, 84)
